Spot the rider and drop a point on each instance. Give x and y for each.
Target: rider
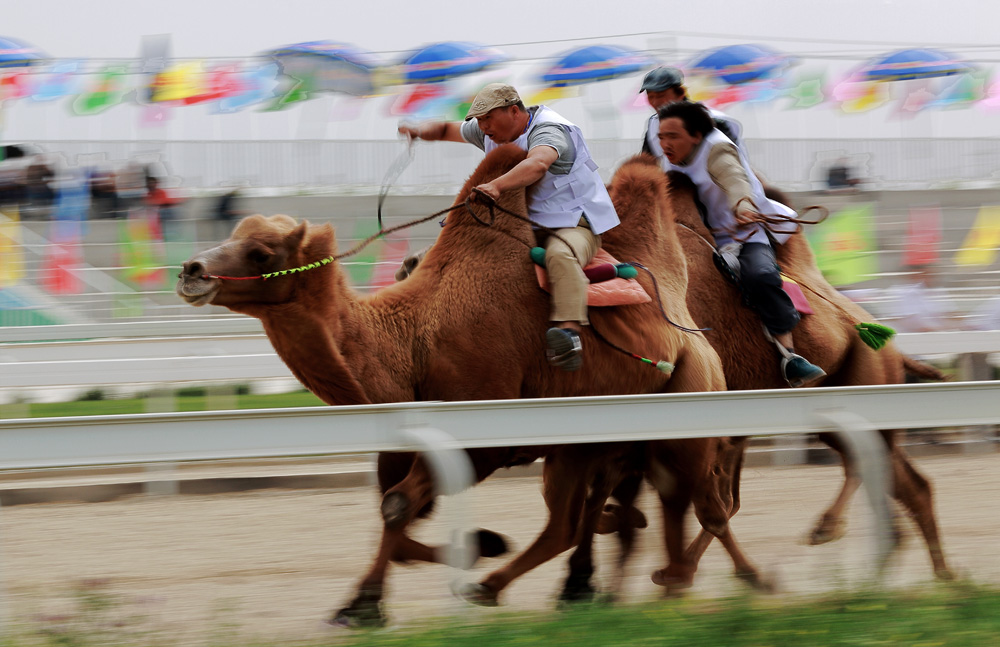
(734, 201)
(665, 85)
(565, 194)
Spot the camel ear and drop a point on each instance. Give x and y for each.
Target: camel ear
(297, 235)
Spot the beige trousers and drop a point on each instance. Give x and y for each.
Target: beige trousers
(565, 265)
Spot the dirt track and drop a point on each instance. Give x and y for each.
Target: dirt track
(275, 563)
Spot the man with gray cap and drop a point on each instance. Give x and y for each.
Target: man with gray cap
(665, 85)
(565, 193)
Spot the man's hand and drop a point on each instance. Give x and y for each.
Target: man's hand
(490, 189)
(410, 132)
(746, 214)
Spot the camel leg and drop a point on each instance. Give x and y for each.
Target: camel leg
(623, 518)
(679, 573)
(400, 506)
(831, 525)
(491, 544)
(914, 491)
(565, 492)
(730, 458)
(581, 562)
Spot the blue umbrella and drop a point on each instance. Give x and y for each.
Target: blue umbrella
(17, 53)
(442, 61)
(908, 64)
(736, 64)
(329, 66)
(594, 63)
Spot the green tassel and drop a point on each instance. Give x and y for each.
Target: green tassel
(538, 256)
(874, 335)
(665, 367)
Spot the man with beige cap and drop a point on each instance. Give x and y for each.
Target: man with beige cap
(565, 193)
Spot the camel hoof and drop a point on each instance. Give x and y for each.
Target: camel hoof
(673, 584)
(394, 509)
(758, 583)
(577, 589)
(362, 614)
(825, 532)
(491, 544)
(944, 574)
(478, 594)
(614, 517)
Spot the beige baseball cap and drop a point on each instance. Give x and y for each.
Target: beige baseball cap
(494, 95)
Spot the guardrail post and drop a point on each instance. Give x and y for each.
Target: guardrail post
(867, 447)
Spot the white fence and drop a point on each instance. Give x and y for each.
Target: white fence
(794, 164)
(232, 349)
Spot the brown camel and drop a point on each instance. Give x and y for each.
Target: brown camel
(469, 324)
(828, 339)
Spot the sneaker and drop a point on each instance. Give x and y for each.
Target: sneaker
(565, 350)
(799, 371)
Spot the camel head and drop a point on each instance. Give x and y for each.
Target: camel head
(258, 245)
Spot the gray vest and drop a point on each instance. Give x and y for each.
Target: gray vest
(558, 201)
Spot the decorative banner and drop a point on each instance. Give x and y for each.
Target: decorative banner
(807, 91)
(62, 80)
(923, 236)
(844, 245)
(106, 93)
(257, 85)
(11, 251)
(982, 241)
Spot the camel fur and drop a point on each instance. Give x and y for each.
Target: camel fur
(469, 324)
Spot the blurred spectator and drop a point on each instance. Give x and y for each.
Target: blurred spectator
(227, 209)
(13, 177)
(104, 195)
(839, 178)
(39, 195)
(131, 186)
(912, 306)
(160, 201)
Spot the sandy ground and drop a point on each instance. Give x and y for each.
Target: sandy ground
(274, 563)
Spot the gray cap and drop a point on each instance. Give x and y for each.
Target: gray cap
(662, 78)
(494, 95)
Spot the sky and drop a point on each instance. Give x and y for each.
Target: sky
(239, 28)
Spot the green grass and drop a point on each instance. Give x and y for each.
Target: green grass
(139, 405)
(958, 615)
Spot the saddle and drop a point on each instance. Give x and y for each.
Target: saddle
(607, 286)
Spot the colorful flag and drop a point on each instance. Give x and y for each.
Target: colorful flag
(361, 265)
(58, 269)
(923, 235)
(142, 253)
(845, 244)
(982, 241)
(11, 252)
(107, 92)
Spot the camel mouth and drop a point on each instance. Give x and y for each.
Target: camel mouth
(198, 292)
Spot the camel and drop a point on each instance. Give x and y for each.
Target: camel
(827, 338)
(469, 324)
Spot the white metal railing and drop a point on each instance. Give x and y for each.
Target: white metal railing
(231, 349)
(441, 429)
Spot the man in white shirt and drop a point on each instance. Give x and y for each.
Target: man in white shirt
(734, 201)
(665, 85)
(565, 193)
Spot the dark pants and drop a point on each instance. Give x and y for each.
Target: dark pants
(760, 279)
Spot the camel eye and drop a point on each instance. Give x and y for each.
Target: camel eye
(258, 256)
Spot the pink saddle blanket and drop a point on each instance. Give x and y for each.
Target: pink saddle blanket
(614, 292)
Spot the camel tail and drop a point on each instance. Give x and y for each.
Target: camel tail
(916, 368)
